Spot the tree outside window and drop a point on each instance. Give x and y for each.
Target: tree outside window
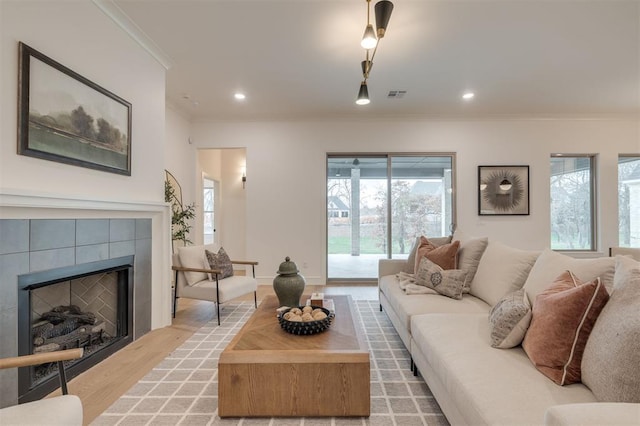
(629, 200)
(572, 202)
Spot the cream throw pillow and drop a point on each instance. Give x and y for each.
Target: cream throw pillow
(469, 255)
(550, 265)
(611, 360)
(503, 269)
(509, 320)
(194, 257)
(448, 282)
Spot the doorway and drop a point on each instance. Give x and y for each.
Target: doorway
(378, 203)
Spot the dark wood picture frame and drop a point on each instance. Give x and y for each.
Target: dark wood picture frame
(503, 190)
(64, 117)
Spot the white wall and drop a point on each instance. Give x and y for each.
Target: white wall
(81, 37)
(285, 213)
(180, 153)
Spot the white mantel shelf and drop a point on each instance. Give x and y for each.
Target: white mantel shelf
(15, 199)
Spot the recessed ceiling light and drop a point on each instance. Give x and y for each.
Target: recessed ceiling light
(239, 96)
(468, 95)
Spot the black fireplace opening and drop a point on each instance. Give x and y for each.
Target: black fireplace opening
(87, 306)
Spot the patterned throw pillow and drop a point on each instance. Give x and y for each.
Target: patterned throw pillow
(509, 320)
(448, 282)
(220, 261)
(562, 319)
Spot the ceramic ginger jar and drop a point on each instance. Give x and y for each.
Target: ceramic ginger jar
(289, 284)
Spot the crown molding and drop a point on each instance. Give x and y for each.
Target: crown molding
(117, 15)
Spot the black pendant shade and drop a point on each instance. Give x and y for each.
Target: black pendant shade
(363, 94)
(366, 67)
(383, 14)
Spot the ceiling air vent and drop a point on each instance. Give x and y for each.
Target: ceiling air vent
(396, 94)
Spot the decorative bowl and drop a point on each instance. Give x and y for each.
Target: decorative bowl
(308, 327)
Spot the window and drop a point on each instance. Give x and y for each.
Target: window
(208, 203)
(572, 202)
(629, 200)
(378, 203)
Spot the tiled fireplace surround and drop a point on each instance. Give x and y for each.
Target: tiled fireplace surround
(29, 245)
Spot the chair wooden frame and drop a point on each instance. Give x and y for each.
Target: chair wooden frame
(214, 272)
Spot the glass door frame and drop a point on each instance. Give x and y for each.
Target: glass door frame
(389, 231)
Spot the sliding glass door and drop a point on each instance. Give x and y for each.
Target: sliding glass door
(377, 205)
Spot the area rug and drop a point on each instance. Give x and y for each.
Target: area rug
(183, 388)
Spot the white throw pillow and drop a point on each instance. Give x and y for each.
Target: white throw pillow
(551, 265)
(194, 257)
(502, 270)
(469, 255)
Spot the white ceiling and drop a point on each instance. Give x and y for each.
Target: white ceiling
(300, 59)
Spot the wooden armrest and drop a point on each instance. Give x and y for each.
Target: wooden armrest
(183, 269)
(244, 262)
(41, 358)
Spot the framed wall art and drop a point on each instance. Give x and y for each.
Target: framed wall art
(64, 117)
(503, 190)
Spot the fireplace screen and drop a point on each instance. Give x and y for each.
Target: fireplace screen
(79, 313)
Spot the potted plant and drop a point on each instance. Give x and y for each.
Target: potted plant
(180, 215)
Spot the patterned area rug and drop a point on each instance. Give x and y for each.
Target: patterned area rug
(183, 388)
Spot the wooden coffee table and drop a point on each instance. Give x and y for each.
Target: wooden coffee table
(265, 371)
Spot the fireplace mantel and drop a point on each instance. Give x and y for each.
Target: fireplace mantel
(14, 201)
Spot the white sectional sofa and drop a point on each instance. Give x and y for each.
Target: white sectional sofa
(476, 384)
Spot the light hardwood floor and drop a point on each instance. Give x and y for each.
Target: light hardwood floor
(102, 385)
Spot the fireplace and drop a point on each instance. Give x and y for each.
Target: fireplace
(88, 305)
(44, 233)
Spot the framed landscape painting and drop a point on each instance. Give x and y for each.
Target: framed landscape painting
(503, 190)
(64, 117)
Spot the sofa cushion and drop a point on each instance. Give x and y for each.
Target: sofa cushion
(502, 270)
(448, 282)
(488, 386)
(410, 266)
(550, 265)
(220, 261)
(469, 256)
(194, 257)
(509, 320)
(563, 317)
(405, 306)
(444, 256)
(228, 288)
(593, 414)
(611, 360)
